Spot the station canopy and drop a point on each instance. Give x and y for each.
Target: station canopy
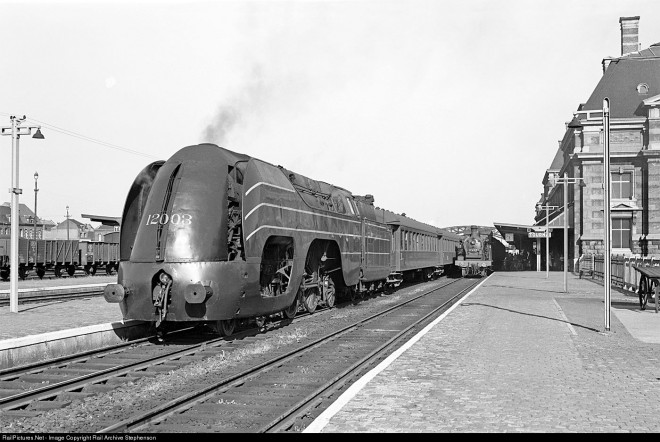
(517, 234)
(104, 220)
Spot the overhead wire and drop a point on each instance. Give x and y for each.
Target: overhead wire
(84, 137)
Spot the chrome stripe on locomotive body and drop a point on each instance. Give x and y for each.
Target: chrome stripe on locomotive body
(380, 226)
(299, 230)
(263, 183)
(306, 212)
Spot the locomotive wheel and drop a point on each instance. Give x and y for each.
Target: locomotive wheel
(330, 294)
(310, 299)
(41, 272)
(22, 273)
(226, 327)
(70, 270)
(58, 271)
(643, 293)
(260, 321)
(290, 311)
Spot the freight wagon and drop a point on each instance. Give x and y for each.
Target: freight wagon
(58, 255)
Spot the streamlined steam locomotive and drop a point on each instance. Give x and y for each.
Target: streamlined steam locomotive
(215, 236)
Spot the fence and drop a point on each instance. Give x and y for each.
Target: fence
(622, 269)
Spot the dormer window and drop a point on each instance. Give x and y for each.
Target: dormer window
(642, 88)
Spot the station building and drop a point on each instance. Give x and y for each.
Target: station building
(33, 227)
(631, 82)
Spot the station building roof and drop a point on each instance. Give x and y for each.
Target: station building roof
(621, 80)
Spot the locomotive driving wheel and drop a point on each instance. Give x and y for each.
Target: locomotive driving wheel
(310, 299)
(225, 327)
(290, 311)
(329, 291)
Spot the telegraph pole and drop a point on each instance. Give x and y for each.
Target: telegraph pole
(36, 177)
(15, 130)
(67, 223)
(606, 207)
(547, 238)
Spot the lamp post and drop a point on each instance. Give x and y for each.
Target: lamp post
(67, 223)
(36, 177)
(606, 207)
(566, 181)
(547, 237)
(15, 130)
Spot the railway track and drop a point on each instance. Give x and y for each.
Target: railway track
(285, 393)
(28, 389)
(45, 385)
(282, 393)
(44, 296)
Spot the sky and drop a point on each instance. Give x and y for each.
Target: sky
(449, 111)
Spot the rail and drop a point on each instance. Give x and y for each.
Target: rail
(624, 275)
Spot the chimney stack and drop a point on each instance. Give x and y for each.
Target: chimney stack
(629, 34)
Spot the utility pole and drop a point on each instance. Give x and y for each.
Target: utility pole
(566, 181)
(36, 177)
(15, 130)
(547, 237)
(67, 223)
(606, 207)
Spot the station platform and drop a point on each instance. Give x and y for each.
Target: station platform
(50, 316)
(60, 327)
(517, 354)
